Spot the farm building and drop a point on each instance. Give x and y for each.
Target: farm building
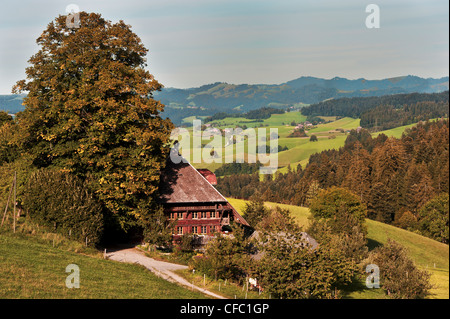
(198, 208)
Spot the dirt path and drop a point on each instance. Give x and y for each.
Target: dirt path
(160, 268)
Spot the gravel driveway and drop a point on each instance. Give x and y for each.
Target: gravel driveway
(160, 268)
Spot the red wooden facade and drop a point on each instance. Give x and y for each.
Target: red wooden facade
(202, 219)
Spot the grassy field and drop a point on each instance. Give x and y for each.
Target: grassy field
(346, 123)
(305, 149)
(395, 132)
(330, 136)
(426, 253)
(274, 120)
(299, 149)
(32, 268)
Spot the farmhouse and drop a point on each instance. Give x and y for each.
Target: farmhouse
(190, 199)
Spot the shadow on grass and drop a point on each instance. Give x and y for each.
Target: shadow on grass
(372, 244)
(358, 290)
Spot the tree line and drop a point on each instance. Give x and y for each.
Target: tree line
(397, 178)
(259, 114)
(385, 117)
(413, 104)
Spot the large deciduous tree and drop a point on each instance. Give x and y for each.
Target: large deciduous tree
(336, 201)
(433, 218)
(338, 217)
(90, 111)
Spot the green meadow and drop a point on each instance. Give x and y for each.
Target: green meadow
(299, 149)
(33, 267)
(330, 135)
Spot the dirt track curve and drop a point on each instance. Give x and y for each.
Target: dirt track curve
(162, 269)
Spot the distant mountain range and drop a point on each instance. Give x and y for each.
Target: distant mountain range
(223, 97)
(11, 103)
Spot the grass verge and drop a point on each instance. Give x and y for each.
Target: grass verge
(31, 268)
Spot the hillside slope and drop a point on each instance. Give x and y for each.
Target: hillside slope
(31, 268)
(425, 252)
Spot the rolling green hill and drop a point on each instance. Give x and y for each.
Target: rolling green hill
(299, 149)
(33, 268)
(329, 135)
(426, 253)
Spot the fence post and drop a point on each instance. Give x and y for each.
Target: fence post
(15, 203)
(7, 203)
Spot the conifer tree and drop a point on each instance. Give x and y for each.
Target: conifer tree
(358, 177)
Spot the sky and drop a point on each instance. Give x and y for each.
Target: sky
(192, 43)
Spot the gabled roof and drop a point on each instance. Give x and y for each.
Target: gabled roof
(182, 183)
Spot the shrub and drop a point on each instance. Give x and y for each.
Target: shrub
(298, 133)
(290, 270)
(61, 202)
(185, 243)
(224, 257)
(398, 275)
(406, 220)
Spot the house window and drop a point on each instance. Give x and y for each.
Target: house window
(194, 229)
(203, 229)
(194, 215)
(212, 214)
(180, 230)
(180, 215)
(204, 215)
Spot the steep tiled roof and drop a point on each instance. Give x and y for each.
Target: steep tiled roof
(182, 183)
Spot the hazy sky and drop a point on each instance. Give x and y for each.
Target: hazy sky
(192, 43)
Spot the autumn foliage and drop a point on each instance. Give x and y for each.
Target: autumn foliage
(90, 112)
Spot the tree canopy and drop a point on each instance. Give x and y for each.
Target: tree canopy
(90, 111)
(329, 203)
